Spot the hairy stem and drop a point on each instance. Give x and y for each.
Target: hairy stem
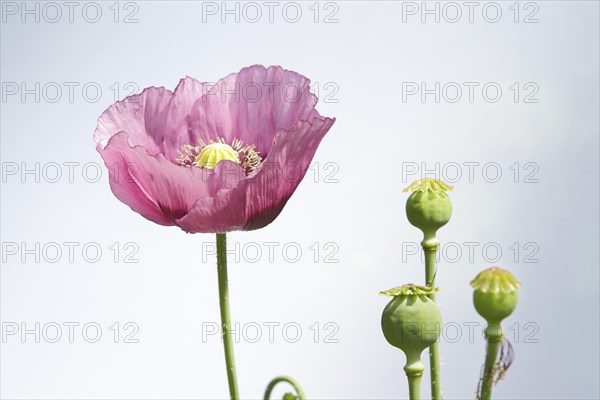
(225, 315)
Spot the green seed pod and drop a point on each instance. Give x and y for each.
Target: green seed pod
(429, 207)
(495, 298)
(495, 295)
(412, 322)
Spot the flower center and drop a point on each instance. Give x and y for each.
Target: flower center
(213, 153)
(209, 155)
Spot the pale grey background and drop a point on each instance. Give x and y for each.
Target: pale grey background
(367, 55)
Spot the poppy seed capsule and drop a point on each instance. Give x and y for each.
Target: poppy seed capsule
(429, 207)
(411, 321)
(495, 295)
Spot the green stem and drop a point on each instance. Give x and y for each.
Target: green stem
(430, 268)
(225, 315)
(491, 355)
(434, 351)
(414, 371)
(414, 387)
(294, 383)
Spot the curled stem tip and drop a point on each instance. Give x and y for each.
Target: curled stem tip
(288, 396)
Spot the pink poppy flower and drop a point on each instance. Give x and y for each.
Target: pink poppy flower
(213, 158)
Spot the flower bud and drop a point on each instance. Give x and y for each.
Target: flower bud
(495, 295)
(411, 321)
(429, 207)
